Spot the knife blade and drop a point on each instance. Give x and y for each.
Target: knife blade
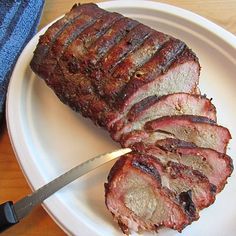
(11, 214)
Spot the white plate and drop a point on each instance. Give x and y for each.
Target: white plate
(49, 138)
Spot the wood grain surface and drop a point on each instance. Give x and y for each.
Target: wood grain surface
(12, 182)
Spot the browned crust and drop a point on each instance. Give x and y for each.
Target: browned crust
(72, 56)
(47, 40)
(171, 144)
(151, 126)
(69, 34)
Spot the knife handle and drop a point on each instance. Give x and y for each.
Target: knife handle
(8, 216)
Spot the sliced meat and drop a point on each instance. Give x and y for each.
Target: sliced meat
(101, 47)
(127, 186)
(135, 196)
(154, 107)
(217, 167)
(196, 129)
(140, 85)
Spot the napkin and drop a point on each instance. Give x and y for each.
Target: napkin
(18, 24)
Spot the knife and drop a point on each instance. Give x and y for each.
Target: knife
(11, 214)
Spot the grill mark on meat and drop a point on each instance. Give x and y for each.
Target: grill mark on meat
(65, 39)
(141, 55)
(103, 44)
(147, 168)
(191, 118)
(70, 65)
(170, 144)
(55, 30)
(157, 65)
(74, 77)
(142, 105)
(128, 44)
(112, 84)
(208, 109)
(80, 46)
(200, 119)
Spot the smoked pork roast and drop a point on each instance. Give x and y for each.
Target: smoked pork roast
(141, 85)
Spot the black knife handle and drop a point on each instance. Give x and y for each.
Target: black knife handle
(8, 216)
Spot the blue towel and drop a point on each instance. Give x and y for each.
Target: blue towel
(18, 24)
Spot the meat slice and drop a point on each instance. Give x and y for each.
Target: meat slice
(196, 129)
(100, 46)
(154, 107)
(138, 183)
(217, 167)
(135, 196)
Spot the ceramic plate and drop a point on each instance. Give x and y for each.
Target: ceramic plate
(49, 138)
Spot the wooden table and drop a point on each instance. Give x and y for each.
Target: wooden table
(12, 182)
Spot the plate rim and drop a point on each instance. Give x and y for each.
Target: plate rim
(166, 8)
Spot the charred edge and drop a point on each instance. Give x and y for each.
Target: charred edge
(147, 168)
(192, 118)
(172, 145)
(117, 167)
(199, 119)
(178, 170)
(180, 49)
(106, 187)
(213, 189)
(141, 106)
(123, 227)
(74, 35)
(135, 44)
(185, 198)
(103, 31)
(105, 48)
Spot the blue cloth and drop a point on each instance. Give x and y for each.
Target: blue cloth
(18, 24)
